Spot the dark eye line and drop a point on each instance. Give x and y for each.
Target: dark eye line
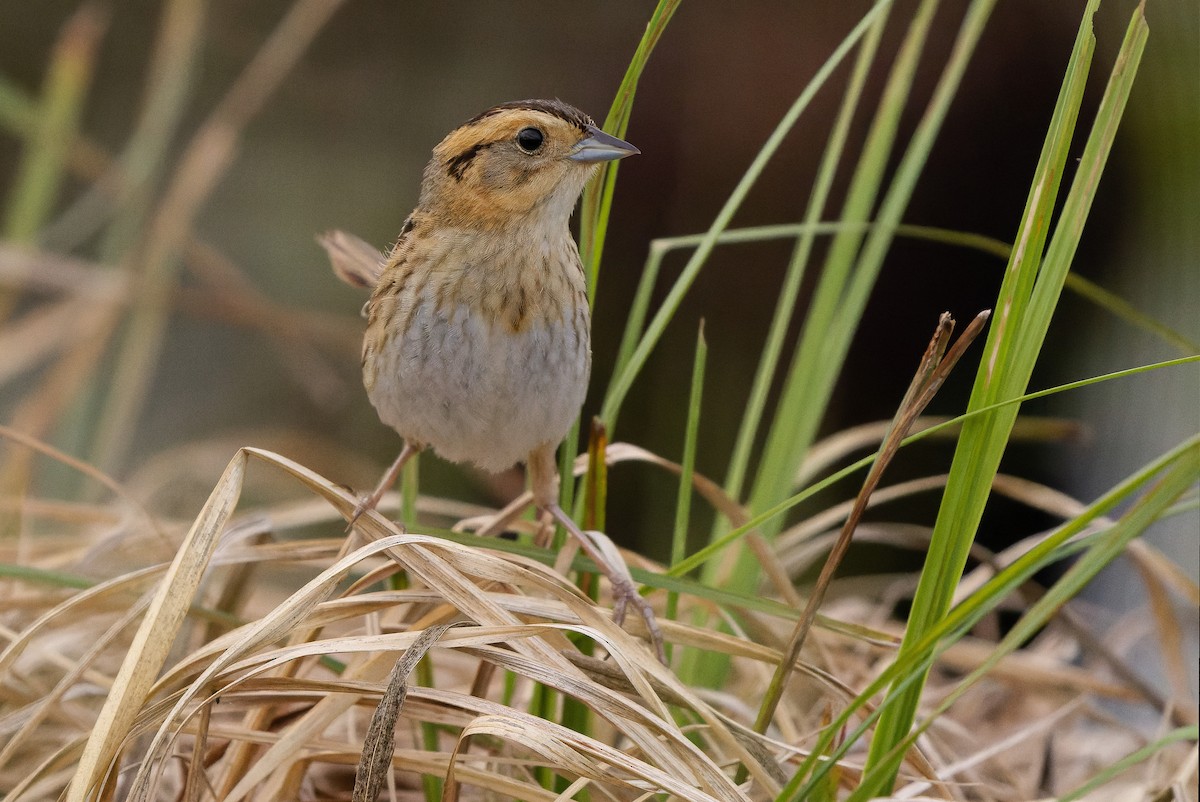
(457, 165)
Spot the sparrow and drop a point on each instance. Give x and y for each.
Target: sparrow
(478, 337)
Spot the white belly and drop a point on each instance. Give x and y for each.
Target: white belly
(478, 393)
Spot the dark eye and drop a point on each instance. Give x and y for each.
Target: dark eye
(530, 139)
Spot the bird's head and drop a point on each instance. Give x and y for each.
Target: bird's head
(518, 163)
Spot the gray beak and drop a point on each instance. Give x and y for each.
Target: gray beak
(601, 147)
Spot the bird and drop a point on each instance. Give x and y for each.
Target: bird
(478, 335)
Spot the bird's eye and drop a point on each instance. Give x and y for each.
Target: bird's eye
(530, 139)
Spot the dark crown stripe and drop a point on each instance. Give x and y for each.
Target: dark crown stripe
(557, 108)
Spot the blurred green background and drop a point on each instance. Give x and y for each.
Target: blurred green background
(341, 143)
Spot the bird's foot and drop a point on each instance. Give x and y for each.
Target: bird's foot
(369, 502)
(365, 504)
(604, 553)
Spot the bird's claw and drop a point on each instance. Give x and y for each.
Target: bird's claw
(364, 505)
(602, 552)
(623, 594)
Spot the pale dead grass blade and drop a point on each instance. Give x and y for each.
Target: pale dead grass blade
(296, 737)
(518, 608)
(1167, 572)
(38, 409)
(1183, 782)
(584, 749)
(37, 271)
(709, 490)
(801, 545)
(476, 640)
(1043, 673)
(196, 782)
(154, 638)
(936, 363)
(577, 754)
(324, 712)
(13, 473)
(225, 294)
(47, 778)
(656, 736)
(1034, 731)
(275, 625)
(720, 501)
(204, 161)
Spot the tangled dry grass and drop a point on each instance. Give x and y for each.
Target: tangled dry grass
(276, 649)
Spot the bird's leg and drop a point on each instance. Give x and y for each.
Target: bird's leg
(543, 480)
(366, 503)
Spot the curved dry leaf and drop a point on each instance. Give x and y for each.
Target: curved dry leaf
(156, 634)
(709, 490)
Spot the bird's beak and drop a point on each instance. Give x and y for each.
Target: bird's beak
(601, 147)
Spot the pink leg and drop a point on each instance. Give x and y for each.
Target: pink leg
(543, 479)
(389, 478)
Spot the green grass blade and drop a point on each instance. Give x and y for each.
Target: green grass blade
(1067, 233)
(974, 443)
(785, 307)
(1105, 299)
(18, 113)
(846, 283)
(597, 198)
(713, 549)
(638, 310)
(687, 463)
(42, 168)
(803, 398)
(1120, 308)
(1104, 548)
(1139, 756)
(169, 84)
(620, 384)
(596, 207)
(1026, 303)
